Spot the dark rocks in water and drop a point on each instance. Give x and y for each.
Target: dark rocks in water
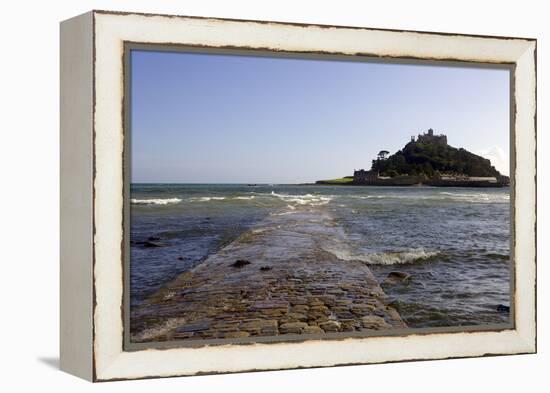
(399, 275)
(240, 263)
(152, 245)
(153, 239)
(396, 277)
(171, 234)
(265, 268)
(503, 308)
(181, 258)
(498, 256)
(149, 244)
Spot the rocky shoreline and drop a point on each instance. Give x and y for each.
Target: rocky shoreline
(279, 278)
(413, 183)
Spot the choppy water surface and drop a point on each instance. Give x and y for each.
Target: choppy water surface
(453, 242)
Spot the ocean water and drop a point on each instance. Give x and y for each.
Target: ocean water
(452, 243)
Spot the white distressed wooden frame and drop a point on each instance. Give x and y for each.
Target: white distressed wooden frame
(92, 47)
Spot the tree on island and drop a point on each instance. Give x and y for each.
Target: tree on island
(382, 154)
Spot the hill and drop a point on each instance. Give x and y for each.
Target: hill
(427, 160)
(429, 156)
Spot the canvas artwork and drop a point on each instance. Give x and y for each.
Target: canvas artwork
(242, 195)
(280, 198)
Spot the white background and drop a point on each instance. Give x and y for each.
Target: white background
(29, 204)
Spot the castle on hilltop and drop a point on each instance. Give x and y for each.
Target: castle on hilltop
(426, 160)
(429, 137)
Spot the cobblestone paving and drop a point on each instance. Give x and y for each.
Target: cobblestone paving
(278, 278)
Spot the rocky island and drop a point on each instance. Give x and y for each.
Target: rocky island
(427, 160)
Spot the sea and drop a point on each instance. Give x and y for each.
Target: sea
(442, 255)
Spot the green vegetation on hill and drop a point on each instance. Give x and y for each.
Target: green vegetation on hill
(340, 181)
(429, 158)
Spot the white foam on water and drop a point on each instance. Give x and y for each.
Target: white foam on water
(306, 199)
(475, 196)
(472, 197)
(396, 258)
(245, 198)
(154, 332)
(157, 201)
(384, 258)
(284, 213)
(206, 199)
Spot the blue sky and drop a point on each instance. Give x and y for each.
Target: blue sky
(203, 118)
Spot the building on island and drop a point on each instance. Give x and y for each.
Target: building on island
(463, 180)
(363, 176)
(429, 137)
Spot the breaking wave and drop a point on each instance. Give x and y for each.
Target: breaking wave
(158, 201)
(206, 199)
(385, 258)
(285, 213)
(401, 257)
(307, 199)
(474, 197)
(158, 330)
(220, 198)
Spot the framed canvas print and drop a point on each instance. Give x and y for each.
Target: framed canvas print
(246, 195)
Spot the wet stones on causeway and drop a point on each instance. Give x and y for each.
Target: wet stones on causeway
(240, 263)
(293, 327)
(279, 293)
(265, 268)
(274, 310)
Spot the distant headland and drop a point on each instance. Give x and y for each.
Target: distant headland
(426, 160)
